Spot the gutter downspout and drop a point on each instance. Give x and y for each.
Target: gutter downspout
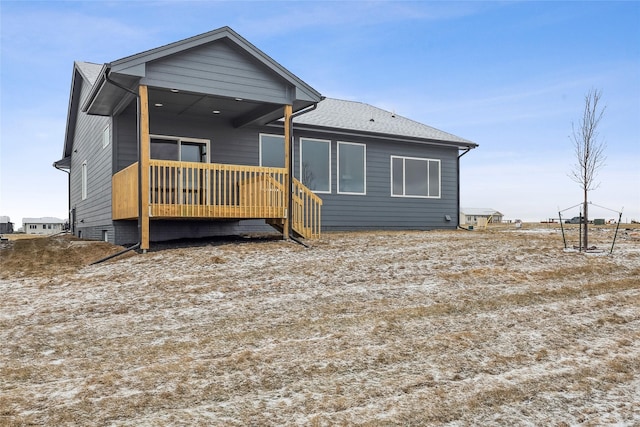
(138, 142)
(124, 251)
(458, 181)
(55, 165)
(290, 167)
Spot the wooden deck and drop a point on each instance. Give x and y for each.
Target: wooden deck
(182, 190)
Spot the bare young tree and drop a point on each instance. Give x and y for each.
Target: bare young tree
(589, 151)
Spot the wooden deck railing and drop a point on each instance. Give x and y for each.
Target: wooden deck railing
(124, 194)
(305, 211)
(210, 190)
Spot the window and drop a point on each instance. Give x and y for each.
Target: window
(352, 168)
(184, 184)
(272, 151)
(84, 180)
(315, 164)
(414, 177)
(164, 149)
(179, 149)
(106, 136)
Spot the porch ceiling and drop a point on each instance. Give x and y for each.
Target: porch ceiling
(188, 104)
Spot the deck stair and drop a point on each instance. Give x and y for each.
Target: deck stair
(305, 213)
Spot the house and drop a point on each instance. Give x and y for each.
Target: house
(198, 129)
(46, 225)
(477, 216)
(6, 226)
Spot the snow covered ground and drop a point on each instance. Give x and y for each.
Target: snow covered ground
(497, 327)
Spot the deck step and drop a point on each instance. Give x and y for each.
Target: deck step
(278, 224)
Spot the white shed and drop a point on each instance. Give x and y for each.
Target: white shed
(472, 216)
(46, 225)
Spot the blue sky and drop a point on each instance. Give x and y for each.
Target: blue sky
(510, 76)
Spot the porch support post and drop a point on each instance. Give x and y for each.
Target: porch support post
(288, 142)
(143, 195)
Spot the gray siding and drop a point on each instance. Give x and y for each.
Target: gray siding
(125, 141)
(160, 230)
(163, 230)
(93, 215)
(228, 144)
(218, 69)
(126, 232)
(377, 209)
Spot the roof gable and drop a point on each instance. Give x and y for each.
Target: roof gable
(134, 64)
(84, 73)
(201, 64)
(218, 68)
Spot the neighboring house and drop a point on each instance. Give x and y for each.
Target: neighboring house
(47, 225)
(6, 226)
(476, 216)
(198, 127)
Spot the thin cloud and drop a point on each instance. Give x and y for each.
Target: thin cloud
(301, 16)
(77, 32)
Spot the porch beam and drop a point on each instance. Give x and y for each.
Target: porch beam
(144, 168)
(263, 114)
(288, 142)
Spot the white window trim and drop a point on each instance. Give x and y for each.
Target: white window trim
(328, 141)
(181, 139)
(403, 177)
(106, 136)
(260, 146)
(84, 180)
(364, 146)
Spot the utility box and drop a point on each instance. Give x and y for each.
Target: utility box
(598, 221)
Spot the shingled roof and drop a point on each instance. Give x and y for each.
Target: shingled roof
(358, 116)
(89, 70)
(479, 211)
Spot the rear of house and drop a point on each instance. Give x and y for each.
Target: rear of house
(220, 139)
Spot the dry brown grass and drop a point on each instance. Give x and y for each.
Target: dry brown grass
(47, 256)
(23, 236)
(498, 327)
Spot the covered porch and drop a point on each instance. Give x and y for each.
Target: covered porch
(154, 188)
(215, 93)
